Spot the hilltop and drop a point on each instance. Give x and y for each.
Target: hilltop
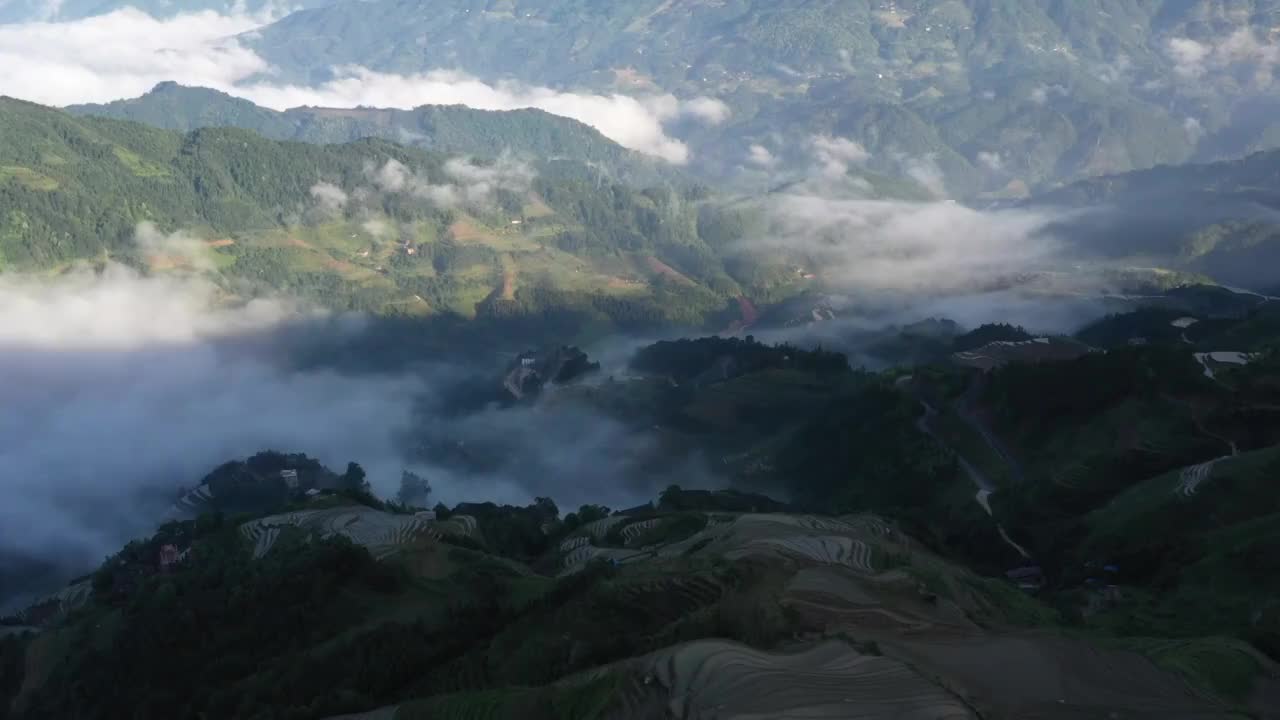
(556, 145)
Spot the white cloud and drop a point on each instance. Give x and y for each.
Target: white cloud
(708, 109)
(377, 227)
(1041, 93)
(936, 248)
(760, 156)
(1194, 129)
(125, 53)
(991, 161)
(1188, 57)
(176, 248)
(1118, 71)
(836, 154)
(636, 123)
(474, 184)
(119, 388)
(1241, 53)
(329, 197)
(507, 173)
(925, 171)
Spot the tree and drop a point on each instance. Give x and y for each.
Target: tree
(669, 499)
(414, 490)
(547, 508)
(591, 513)
(354, 478)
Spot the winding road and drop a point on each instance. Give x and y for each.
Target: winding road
(983, 484)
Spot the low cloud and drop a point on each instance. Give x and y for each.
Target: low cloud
(1117, 72)
(760, 156)
(1041, 94)
(377, 227)
(708, 109)
(120, 388)
(924, 169)
(1194, 130)
(908, 249)
(635, 123)
(329, 197)
(506, 173)
(836, 155)
(178, 248)
(473, 184)
(991, 161)
(125, 53)
(1243, 55)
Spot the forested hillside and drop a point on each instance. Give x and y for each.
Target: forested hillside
(368, 225)
(557, 145)
(987, 95)
(1219, 219)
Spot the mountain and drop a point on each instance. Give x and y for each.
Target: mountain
(990, 96)
(1220, 219)
(557, 145)
(366, 225)
(1101, 522)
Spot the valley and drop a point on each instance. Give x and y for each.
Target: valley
(640, 360)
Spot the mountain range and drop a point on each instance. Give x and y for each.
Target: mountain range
(903, 360)
(975, 97)
(555, 144)
(995, 95)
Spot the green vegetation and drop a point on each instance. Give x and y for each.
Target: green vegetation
(13, 649)
(579, 254)
(864, 453)
(1217, 665)
(717, 359)
(560, 147)
(1036, 85)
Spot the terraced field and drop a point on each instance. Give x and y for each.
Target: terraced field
(634, 530)
(598, 529)
(57, 606)
(578, 558)
(192, 502)
(824, 549)
(846, 617)
(383, 533)
(1043, 676)
(719, 679)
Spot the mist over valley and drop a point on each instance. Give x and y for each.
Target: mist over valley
(644, 359)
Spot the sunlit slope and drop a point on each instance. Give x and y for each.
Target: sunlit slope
(368, 225)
